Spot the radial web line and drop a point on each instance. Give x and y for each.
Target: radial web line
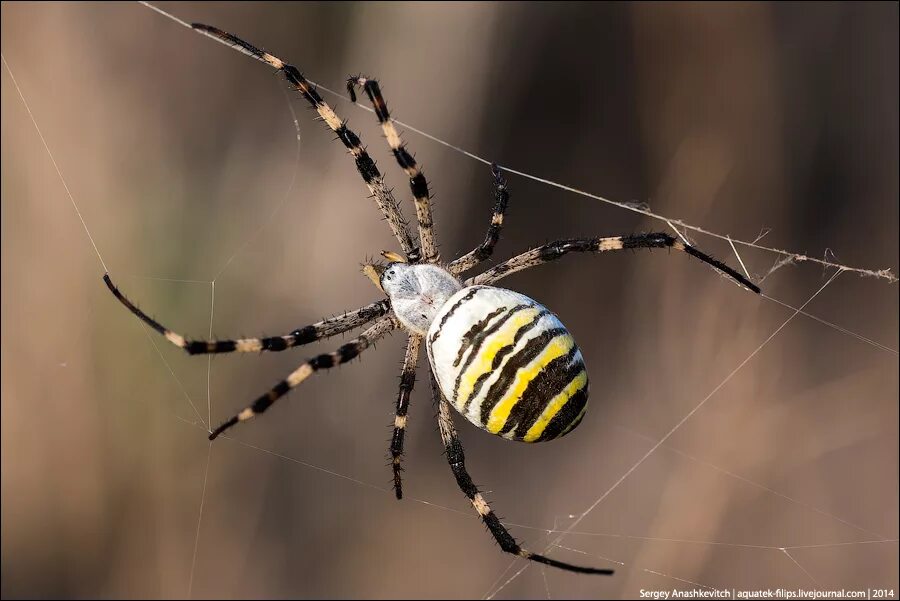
(284, 198)
(804, 570)
(731, 474)
(55, 165)
(859, 337)
(677, 578)
(675, 428)
(661, 539)
(155, 279)
(171, 371)
(212, 307)
(844, 544)
(573, 550)
(199, 521)
(546, 584)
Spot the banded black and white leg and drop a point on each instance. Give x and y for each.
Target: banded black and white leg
(555, 250)
(383, 196)
(407, 382)
(343, 354)
(484, 250)
(417, 182)
(456, 458)
(305, 335)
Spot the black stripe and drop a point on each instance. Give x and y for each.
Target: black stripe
(266, 400)
(276, 343)
(567, 416)
(493, 234)
(293, 75)
(498, 359)
(545, 385)
(131, 307)
(372, 89)
(555, 250)
(405, 159)
(347, 137)
(526, 355)
(322, 361)
(407, 382)
(305, 335)
(468, 296)
(647, 241)
(550, 382)
(196, 347)
(351, 88)
(476, 346)
(477, 328)
(367, 169)
(231, 422)
(397, 442)
(419, 186)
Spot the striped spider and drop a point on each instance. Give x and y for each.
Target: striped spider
(501, 359)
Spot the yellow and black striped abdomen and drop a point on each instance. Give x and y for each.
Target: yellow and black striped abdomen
(508, 364)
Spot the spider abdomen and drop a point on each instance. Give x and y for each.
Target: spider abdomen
(508, 364)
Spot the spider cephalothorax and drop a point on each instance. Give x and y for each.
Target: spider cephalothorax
(500, 358)
(418, 292)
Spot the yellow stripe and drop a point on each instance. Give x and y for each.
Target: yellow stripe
(557, 347)
(484, 362)
(554, 406)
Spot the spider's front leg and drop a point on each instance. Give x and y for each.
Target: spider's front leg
(370, 174)
(486, 248)
(407, 381)
(457, 459)
(344, 354)
(555, 250)
(417, 182)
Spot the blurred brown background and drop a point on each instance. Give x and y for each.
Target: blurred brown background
(733, 117)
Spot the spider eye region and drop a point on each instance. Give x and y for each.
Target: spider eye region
(418, 292)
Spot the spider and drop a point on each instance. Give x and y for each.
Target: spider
(499, 358)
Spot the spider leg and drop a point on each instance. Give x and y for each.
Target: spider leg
(317, 331)
(383, 196)
(343, 354)
(457, 460)
(554, 250)
(417, 181)
(486, 248)
(407, 381)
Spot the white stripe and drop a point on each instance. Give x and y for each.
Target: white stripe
(547, 322)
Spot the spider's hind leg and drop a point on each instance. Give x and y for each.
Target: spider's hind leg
(407, 381)
(417, 182)
(457, 460)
